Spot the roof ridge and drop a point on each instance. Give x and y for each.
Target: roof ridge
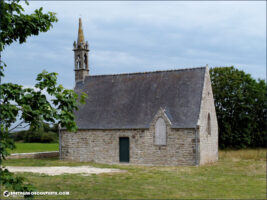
(158, 71)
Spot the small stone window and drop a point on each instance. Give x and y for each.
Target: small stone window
(209, 125)
(160, 132)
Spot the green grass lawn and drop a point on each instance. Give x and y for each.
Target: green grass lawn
(237, 175)
(34, 147)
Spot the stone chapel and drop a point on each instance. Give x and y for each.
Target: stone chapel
(149, 118)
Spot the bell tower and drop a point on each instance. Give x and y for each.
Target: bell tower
(81, 50)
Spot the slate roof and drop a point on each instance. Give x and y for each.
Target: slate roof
(130, 101)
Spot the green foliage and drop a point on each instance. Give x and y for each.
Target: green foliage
(29, 105)
(48, 137)
(40, 136)
(15, 25)
(16, 183)
(34, 108)
(43, 134)
(240, 103)
(19, 136)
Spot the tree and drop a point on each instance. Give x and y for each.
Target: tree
(29, 105)
(240, 103)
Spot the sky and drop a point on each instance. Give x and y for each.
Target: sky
(135, 36)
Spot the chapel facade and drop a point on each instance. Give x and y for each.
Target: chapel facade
(149, 118)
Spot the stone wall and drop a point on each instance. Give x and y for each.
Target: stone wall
(49, 154)
(208, 147)
(80, 74)
(103, 146)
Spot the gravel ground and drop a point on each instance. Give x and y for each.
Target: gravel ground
(52, 171)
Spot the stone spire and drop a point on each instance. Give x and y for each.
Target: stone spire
(80, 32)
(81, 58)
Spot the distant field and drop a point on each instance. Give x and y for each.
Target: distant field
(239, 174)
(34, 147)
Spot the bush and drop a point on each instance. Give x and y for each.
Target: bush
(32, 136)
(45, 134)
(41, 136)
(49, 137)
(18, 136)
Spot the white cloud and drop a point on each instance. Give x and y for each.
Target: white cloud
(145, 36)
(183, 14)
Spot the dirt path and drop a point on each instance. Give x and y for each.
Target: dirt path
(52, 171)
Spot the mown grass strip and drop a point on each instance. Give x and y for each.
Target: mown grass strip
(34, 147)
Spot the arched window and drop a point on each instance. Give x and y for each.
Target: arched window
(85, 60)
(209, 125)
(160, 132)
(79, 62)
